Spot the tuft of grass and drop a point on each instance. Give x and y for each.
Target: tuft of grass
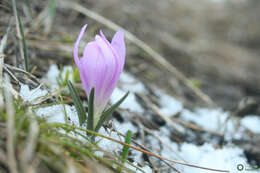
(49, 147)
(78, 104)
(25, 52)
(128, 138)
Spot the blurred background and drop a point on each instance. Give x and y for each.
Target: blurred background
(214, 43)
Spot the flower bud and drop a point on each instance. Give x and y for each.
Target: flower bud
(100, 67)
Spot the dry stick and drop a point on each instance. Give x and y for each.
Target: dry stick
(154, 155)
(196, 127)
(144, 129)
(161, 140)
(154, 55)
(19, 33)
(170, 121)
(12, 164)
(2, 47)
(158, 112)
(24, 72)
(140, 145)
(30, 144)
(12, 75)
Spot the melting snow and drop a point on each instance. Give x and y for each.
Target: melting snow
(252, 123)
(169, 105)
(206, 155)
(227, 157)
(33, 95)
(129, 103)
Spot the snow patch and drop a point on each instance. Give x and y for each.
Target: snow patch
(169, 105)
(33, 95)
(251, 122)
(129, 83)
(226, 158)
(57, 114)
(129, 103)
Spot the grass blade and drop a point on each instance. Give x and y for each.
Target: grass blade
(25, 53)
(128, 138)
(90, 123)
(109, 112)
(78, 104)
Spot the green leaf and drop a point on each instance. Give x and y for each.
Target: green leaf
(76, 76)
(78, 104)
(128, 138)
(109, 112)
(90, 124)
(24, 44)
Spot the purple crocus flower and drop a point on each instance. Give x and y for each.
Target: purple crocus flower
(100, 67)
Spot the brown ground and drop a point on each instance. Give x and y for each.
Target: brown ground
(216, 45)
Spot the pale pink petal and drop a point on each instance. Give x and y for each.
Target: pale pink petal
(118, 44)
(111, 63)
(76, 45)
(100, 66)
(93, 69)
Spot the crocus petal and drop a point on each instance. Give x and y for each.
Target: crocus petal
(93, 69)
(110, 61)
(100, 67)
(118, 44)
(76, 45)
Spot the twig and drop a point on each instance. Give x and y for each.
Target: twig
(31, 142)
(149, 131)
(153, 54)
(12, 164)
(138, 149)
(196, 127)
(19, 32)
(158, 112)
(12, 75)
(35, 79)
(161, 140)
(2, 47)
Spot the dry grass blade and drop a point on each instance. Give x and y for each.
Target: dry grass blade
(12, 164)
(64, 126)
(21, 37)
(158, 112)
(13, 68)
(153, 54)
(2, 47)
(30, 144)
(155, 155)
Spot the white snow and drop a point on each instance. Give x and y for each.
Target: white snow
(226, 158)
(33, 95)
(53, 75)
(108, 145)
(129, 83)
(252, 123)
(207, 155)
(169, 105)
(57, 114)
(129, 103)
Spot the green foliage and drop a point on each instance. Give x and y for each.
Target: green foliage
(24, 44)
(128, 138)
(109, 112)
(78, 104)
(90, 124)
(76, 77)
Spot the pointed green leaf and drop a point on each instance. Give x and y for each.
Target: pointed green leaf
(90, 124)
(126, 148)
(109, 112)
(78, 104)
(24, 44)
